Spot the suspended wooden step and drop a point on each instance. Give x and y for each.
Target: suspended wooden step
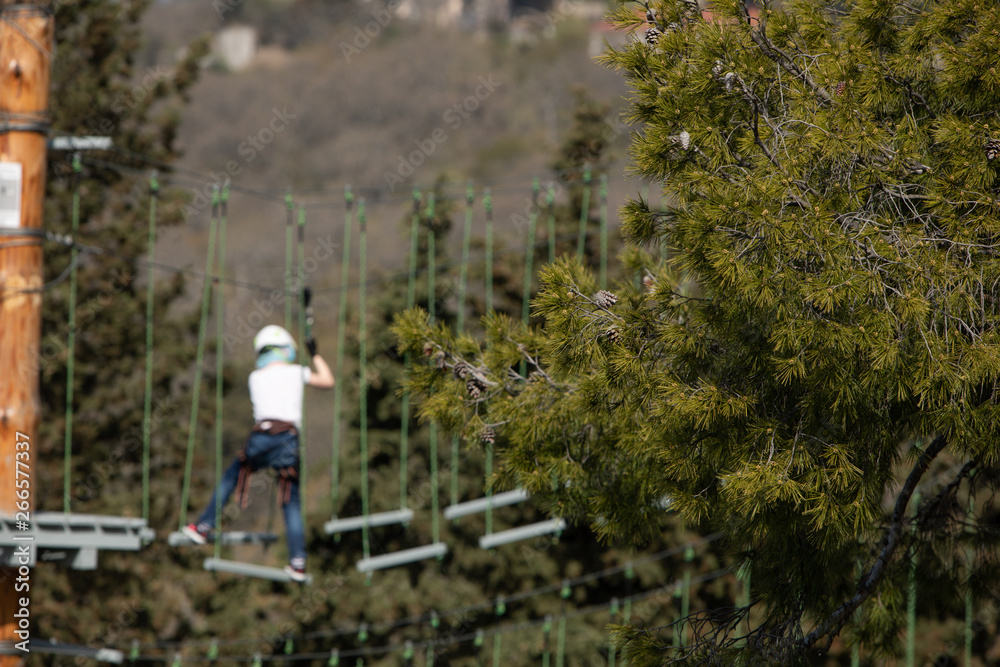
(522, 533)
(248, 570)
(358, 522)
(482, 504)
(176, 539)
(71, 539)
(396, 558)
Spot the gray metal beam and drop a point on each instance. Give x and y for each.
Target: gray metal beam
(84, 534)
(522, 533)
(358, 522)
(248, 570)
(80, 143)
(52, 647)
(482, 504)
(435, 550)
(176, 539)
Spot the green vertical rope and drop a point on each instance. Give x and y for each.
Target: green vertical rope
(550, 199)
(431, 298)
(529, 256)
(463, 275)
(969, 556)
(612, 611)
(363, 369)
(581, 239)
(604, 231)
(627, 606)
(411, 299)
(546, 636)
(300, 281)
(147, 409)
(488, 206)
(686, 594)
(71, 338)
(496, 650)
(856, 647)
(411, 287)
(199, 362)
(911, 597)
(561, 633)
(289, 220)
(463, 272)
(220, 327)
(345, 269)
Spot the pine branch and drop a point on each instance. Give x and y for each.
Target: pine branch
(781, 58)
(874, 575)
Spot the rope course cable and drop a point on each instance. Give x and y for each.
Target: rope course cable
(71, 340)
(489, 254)
(627, 569)
(196, 388)
(220, 204)
(439, 642)
(345, 269)
(147, 408)
(373, 194)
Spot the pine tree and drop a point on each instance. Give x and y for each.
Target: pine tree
(813, 370)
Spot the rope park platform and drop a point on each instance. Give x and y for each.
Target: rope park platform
(69, 539)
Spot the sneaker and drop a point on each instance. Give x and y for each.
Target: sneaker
(296, 574)
(193, 533)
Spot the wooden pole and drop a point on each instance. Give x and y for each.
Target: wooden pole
(26, 35)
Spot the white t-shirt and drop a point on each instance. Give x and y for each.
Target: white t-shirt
(276, 392)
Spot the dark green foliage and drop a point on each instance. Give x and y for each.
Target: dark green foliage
(97, 91)
(825, 326)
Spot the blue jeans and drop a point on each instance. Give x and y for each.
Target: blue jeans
(279, 451)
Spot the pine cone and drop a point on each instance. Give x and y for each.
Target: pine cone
(428, 349)
(439, 362)
(992, 149)
(728, 81)
(653, 36)
(605, 299)
(612, 334)
(461, 369)
(475, 387)
(841, 87)
(488, 435)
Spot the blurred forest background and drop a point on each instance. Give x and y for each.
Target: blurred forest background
(353, 108)
(346, 118)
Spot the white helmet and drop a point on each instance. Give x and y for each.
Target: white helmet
(272, 336)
